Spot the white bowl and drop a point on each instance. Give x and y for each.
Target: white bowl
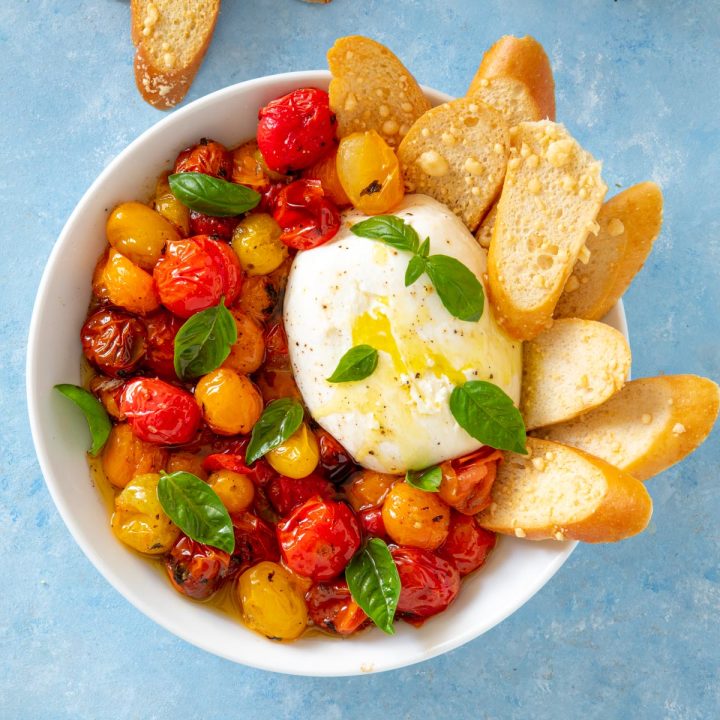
(513, 574)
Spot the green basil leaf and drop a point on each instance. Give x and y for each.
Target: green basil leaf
(424, 249)
(374, 583)
(211, 195)
(391, 230)
(97, 418)
(486, 413)
(357, 363)
(415, 268)
(280, 419)
(459, 290)
(428, 480)
(196, 509)
(203, 342)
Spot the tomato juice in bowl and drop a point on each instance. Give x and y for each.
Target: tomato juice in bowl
(513, 573)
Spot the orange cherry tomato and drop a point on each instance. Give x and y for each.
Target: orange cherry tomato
(467, 481)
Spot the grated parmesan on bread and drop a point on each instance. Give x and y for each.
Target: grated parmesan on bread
(171, 38)
(372, 90)
(562, 493)
(551, 197)
(508, 96)
(457, 154)
(484, 232)
(629, 224)
(651, 424)
(571, 368)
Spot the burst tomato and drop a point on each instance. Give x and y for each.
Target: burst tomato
(467, 481)
(114, 342)
(286, 493)
(335, 461)
(255, 542)
(259, 473)
(196, 570)
(208, 157)
(371, 521)
(467, 545)
(222, 227)
(162, 327)
(276, 348)
(331, 607)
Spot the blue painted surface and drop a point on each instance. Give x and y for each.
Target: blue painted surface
(629, 630)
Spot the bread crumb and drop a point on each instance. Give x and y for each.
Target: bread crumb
(538, 464)
(615, 227)
(484, 82)
(559, 152)
(572, 284)
(559, 535)
(473, 166)
(433, 163)
(678, 429)
(646, 418)
(519, 532)
(584, 255)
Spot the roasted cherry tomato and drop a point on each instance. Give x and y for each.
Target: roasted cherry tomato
(196, 570)
(159, 412)
(276, 348)
(331, 607)
(467, 481)
(125, 455)
(170, 207)
(276, 384)
(114, 342)
(258, 297)
(194, 274)
(259, 473)
(415, 517)
(467, 545)
(183, 461)
(208, 157)
(162, 327)
(230, 403)
(108, 390)
(222, 227)
(255, 541)
(297, 456)
(371, 521)
(256, 241)
(306, 216)
(285, 493)
(127, 285)
(296, 130)
(247, 169)
(326, 172)
(428, 582)
(319, 538)
(236, 490)
(335, 460)
(248, 351)
(368, 488)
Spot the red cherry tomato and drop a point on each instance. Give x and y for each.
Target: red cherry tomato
(255, 541)
(162, 327)
(335, 461)
(114, 342)
(208, 157)
(285, 493)
(221, 227)
(196, 570)
(296, 130)
(467, 481)
(306, 216)
(268, 197)
(319, 538)
(331, 607)
(429, 583)
(276, 348)
(159, 412)
(260, 472)
(194, 274)
(371, 521)
(467, 545)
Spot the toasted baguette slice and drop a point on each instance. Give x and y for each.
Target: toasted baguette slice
(372, 90)
(457, 153)
(484, 232)
(525, 60)
(571, 368)
(552, 194)
(648, 426)
(171, 38)
(510, 97)
(629, 224)
(563, 493)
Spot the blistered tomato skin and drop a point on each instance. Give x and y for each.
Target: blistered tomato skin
(162, 327)
(125, 455)
(255, 541)
(428, 582)
(207, 157)
(371, 522)
(271, 604)
(247, 169)
(332, 608)
(248, 351)
(335, 461)
(467, 546)
(285, 493)
(159, 412)
(196, 570)
(467, 481)
(256, 241)
(319, 539)
(258, 297)
(415, 517)
(128, 286)
(108, 390)
(296, 130)
(368, 488)
(235, 490)
(221, 227)
(325, 171)
(230, 403)
(298, 456)
(114, 342)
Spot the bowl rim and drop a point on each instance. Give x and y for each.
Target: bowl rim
(43, 454)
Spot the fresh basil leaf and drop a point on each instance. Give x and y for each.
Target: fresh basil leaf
(357, 363)
(391, 230)
(458, 288)
(196, 509)
(486, 413)
(415, 268)
(280, 419)
(211, 195)
(428, 480)
(203, 342)
(424, 249)
(374, 583)
(97, 418)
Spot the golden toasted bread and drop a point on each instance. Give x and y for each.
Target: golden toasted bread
(509, 96)
(484, 233)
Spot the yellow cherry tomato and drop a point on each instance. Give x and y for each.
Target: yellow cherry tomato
(415, 517)
(256, 242)
(125, 455)
(247, 169)
(139, 520)
(368, 488)
(230, 403)
(170, 207)
(298, 456)
(235, 490)
(271, 604)
(128, 286)
(369, 172)
(182, 461)
(139, 233)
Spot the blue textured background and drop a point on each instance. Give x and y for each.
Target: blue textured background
(628, 630)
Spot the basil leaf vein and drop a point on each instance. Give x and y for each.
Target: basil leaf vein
(280, 419)
(416, 267)
(389, 229)
(456, 285)
(211, 195)
(97, 418)
(428, 480)
(356, 364)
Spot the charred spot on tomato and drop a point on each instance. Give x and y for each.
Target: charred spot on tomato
(374, 187)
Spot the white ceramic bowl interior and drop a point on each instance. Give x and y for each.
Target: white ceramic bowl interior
(514, 573)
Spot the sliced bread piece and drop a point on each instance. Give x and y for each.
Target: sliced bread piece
(509, 96)
(171, 38)
(372, 90)
(457, 153)
(563, 493)
(484, 232)
(551, 197)
(629, 224)
(525, 60)
(571, 368)
(651, 424)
